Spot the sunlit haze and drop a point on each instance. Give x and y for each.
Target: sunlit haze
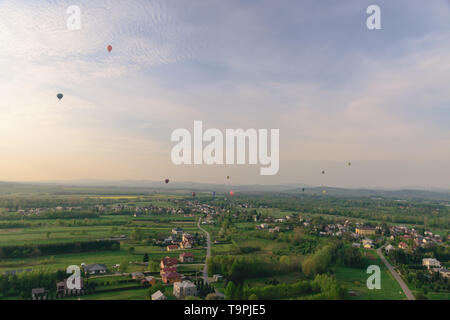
(337, 91)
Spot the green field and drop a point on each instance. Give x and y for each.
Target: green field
(355, 280)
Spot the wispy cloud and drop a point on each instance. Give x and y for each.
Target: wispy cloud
(336, 91)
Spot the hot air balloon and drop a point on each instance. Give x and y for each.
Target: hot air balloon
(214, 193)
(60, 96)
(109, 48)
(166, 181)
(228, 177)
(303, 189)
(324, 192)
(193, 194)
(231, 193)
(323, 171)
(349, 164)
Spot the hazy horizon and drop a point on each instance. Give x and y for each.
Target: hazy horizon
(337, 91)
(183, 185)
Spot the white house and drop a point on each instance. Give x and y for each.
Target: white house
(184, 289)
(388, 248)
(158, 295)
(95, 269)
(431, 263)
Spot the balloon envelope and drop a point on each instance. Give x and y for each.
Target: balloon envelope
(193, 194)
(231, 193)
(166, 181)
(214, 193)
(109, 48)
(59, 96)
(323, 171)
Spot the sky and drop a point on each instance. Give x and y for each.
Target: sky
(336, 91)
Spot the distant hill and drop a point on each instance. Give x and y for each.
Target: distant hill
(151, 187)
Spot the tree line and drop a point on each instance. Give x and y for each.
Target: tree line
(26, 251)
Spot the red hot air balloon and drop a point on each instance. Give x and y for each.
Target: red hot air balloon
(193, 194)
(166, 181)
(231, 193)
(109, 48)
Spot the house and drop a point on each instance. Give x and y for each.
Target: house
(419, 240)
(445, 273)
(168, 262)
(149, 280)
(171, 277)
(217, 278)
(388, 248)
(137, 275)
(273, 230)
(177, 231)
(172, 247)
(60, 286)
(185, 245)
(184, 289)
(167, 270)
(39, 294)
(187, 237)
(95, 269)
(356, 245)
(158, 295)
(264, 226)
(365, 231)
(431, 263)
(367, 244)
(403, 245)
(168, 240)
(186, 257)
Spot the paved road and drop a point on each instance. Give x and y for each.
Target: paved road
(208, 254)
(397, 277)
(208, 249)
